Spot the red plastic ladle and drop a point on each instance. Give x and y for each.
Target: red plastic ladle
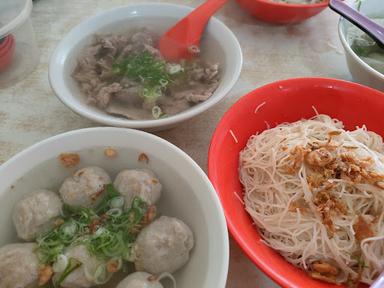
(176, 43)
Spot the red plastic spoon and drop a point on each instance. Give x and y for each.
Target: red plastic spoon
(181, 41)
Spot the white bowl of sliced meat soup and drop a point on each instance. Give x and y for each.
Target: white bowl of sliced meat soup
(109, 207)
(108, 68)
(365, 58)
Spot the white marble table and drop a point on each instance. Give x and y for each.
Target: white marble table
(29, 111)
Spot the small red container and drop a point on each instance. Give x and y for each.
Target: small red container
(285, 101)
(282, 13)
(7, 50)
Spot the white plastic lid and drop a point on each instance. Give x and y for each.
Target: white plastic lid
(13, 13)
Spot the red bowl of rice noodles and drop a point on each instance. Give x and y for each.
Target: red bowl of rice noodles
(304, 199)
(283, 12)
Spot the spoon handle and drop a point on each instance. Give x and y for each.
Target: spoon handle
(379, 283)
(370, 27)
(207, 9)
(201, 15)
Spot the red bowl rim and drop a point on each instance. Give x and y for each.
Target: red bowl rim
(231, 225)
(324, 3)
(7, 45)
(5, 42)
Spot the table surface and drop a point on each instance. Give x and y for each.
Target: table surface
(30, 112)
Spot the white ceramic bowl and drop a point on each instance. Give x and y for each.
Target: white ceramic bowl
(187, 192)
(361, 71)
(218, 45)
(21, 57)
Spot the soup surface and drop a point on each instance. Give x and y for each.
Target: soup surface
(126, 75)
(366, 47)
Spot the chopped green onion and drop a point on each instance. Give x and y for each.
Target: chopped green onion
(130, 255)
(73, 264)
(163, 82)
(104, 205)
(146, 69)
(60, 264)
(81, 213)
(156, 112)
(100, 231)
(69, 229)
(109, 232)
(167, 275)
(114, 212)
(101, 275)
(153, 93)
(358, 5)
(174, 68)
(117, 202)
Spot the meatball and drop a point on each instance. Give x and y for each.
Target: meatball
(19, 266)
(140, 280)
(85, 188)
(163, 246)
(78, 278)
(142, 183)
(33, 214)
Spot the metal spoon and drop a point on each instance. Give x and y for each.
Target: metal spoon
(374, 30)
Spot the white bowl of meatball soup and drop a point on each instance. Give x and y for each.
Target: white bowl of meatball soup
(109, 207)
(108, 68)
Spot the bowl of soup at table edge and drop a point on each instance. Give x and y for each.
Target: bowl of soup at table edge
(361, 71)
(187, 192)
(219, 45)
(285, 101)
(281, 13)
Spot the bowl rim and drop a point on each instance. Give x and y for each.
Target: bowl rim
(19, 20)
(341, 29)
(7, 45)
(294, 5)
(236, 234)
(30, 154)
(55, 75)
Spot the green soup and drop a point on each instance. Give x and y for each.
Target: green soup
(366, 48)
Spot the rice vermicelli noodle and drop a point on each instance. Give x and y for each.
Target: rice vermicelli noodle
(316, 192)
